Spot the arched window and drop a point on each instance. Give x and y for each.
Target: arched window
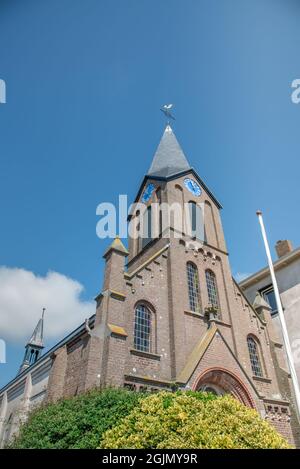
(212, 289)
(196, 221)
(136, 230)
(142, 328)
(32, 357)
(253, 348)
(158, 195)
(193, 286)
(158, 201)
(147, 221)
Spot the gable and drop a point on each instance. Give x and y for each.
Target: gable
(212, 351)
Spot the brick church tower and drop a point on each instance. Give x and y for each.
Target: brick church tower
(171, 315)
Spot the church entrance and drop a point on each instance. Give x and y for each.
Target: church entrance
(220, 381)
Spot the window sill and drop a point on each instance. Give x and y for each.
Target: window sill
(139, 353)
(262, 379)
(194, 313)
(201, 316)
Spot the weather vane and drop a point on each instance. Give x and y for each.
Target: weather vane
(166, 109)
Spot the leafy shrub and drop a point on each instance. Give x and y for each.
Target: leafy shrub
(77, 422)
(192, 420)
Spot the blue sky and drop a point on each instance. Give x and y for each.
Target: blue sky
(85, 81)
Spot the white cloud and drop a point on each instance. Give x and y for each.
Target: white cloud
(23, 295)
(239, 276)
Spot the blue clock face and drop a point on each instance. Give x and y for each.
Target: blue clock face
(192, 186)
(147, 193)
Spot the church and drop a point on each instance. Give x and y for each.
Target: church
(169, 316)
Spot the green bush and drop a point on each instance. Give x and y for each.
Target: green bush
(116, 418)
(78, 422)
(192, 420)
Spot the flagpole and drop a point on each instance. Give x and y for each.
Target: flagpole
(286, 339)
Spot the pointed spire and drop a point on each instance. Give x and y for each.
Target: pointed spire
(37, 336)
(169, 158)
(116, 245)
(34, 346)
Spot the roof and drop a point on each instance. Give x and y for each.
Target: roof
(265, 272)
(169, 163)
(118, 330)
(37, 336)
(116, 245)
(47, 356)
(169, 158)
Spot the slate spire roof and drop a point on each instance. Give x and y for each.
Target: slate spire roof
(38, 333)
(169, 158)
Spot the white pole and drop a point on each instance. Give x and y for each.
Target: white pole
(281, 315)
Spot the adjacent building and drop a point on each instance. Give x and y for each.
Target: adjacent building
(287, 270)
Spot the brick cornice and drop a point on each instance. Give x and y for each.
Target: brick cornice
(129, 276)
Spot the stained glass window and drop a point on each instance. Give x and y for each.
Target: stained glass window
(212, 289)
(193, 286)
(254, 356)
(142, 328)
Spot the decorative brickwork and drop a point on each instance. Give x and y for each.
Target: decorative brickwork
(186, 348)
(226, 381)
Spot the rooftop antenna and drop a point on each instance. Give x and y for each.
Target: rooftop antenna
(166, 109)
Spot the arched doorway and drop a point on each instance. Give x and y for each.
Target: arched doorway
(221, 381)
